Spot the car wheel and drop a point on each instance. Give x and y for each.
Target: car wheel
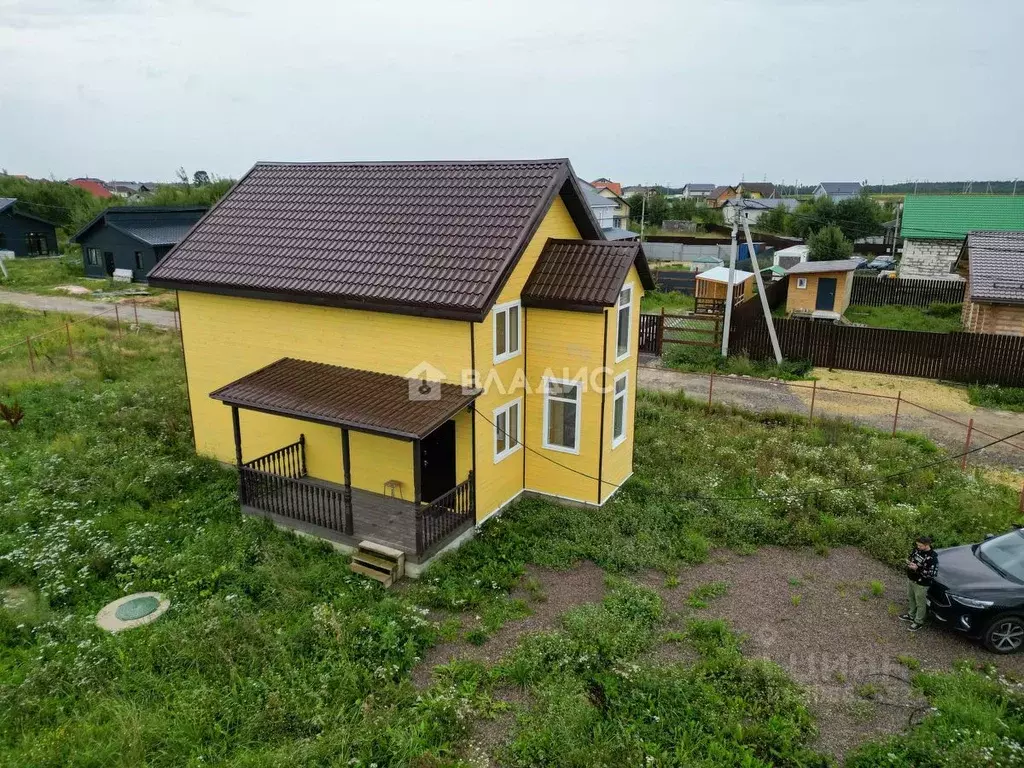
(1005, 634)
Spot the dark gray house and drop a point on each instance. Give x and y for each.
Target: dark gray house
(133, 237)
(25, 234)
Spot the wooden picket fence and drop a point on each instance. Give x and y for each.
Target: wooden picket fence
(876, 291)
(961, 357)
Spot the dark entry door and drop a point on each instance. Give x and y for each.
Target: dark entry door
(108, 263)
(826, 294)
(437, 462)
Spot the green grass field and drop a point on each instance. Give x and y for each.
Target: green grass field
(939, 318)
(272, 653)
(41, 276)
(670, 301)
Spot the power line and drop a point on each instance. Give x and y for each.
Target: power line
(770, 497)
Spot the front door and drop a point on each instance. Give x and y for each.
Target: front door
(108, 263)
(826, 294)
(437, 462)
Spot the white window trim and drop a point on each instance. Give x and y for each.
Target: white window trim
(617, 441)
(519, 428)
(578, 383)
(618, 307)
(494, 330)
(801, 282)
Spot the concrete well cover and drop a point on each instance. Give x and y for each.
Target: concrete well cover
(132, 611)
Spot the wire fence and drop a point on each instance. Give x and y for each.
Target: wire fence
(62, 338)
(889, 413)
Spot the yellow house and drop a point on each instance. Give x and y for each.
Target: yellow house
(820, 289)
(391, 353)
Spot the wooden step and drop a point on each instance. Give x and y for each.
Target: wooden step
(378, 562)
(387, 579)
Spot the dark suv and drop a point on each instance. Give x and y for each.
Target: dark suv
(980, 591)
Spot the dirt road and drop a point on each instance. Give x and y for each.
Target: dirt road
(160, 318)
(945, 427)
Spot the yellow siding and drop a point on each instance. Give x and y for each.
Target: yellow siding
(226, 338)
(497, 483)
(565, 345)
(805, 299)
(617, 464)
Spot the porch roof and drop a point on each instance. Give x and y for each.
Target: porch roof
(346, 397)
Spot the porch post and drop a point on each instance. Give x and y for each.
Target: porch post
(236, 426)
(346, 463)
(238, 435)
(416, 494)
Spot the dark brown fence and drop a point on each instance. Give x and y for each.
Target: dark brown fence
(296, 498)
(289, 461)
(676, 280)
(445, 515)
(879, 292)
(963, 357)
(650, 334)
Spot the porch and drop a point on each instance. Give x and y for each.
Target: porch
(415, 490)
(277, 486)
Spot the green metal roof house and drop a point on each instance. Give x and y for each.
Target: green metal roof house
(934, 228)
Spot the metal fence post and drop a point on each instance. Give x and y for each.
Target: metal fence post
(117, 317)
(814, 394)
(967, 444)
(711, 388)
(135, 307)
(896, 416)
(31, 359)
(71, 351)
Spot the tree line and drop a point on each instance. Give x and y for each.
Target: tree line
(70, 208)
(659, 208)
(830, 228)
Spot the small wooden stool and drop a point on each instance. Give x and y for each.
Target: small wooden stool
(390, 486)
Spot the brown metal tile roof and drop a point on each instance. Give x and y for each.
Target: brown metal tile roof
(346, 397)
(419, 238)
(996, 266)
(583, 274)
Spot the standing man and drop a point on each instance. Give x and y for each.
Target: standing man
(922, 565)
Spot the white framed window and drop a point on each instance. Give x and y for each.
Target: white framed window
(562, 405)
(624, 315)
(507, 428)
(801, 282)
(92, 255)
(619, 402)
(507, 330)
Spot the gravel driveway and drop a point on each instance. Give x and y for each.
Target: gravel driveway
(160, 318)
(761, 396)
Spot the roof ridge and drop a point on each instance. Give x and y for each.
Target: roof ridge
(538, 161)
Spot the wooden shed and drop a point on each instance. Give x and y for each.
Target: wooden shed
(993, 263)
(712, 285)
(820, 289)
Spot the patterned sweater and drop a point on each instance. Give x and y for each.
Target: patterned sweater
(927, 563)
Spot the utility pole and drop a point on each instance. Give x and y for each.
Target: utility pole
(896, 232)
(1014, 188)
(760, 291)
(728, 288)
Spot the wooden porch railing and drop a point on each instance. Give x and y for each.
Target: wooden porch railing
(296, 498)
(442, 517)
(289, 461)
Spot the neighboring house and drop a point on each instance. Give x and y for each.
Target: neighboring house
(620, 214)
(820, 289)
(133, 237)
(419, 372)
(934, 227)
(25, 234)
(773, 274)
(719, 196)
(94, 187)
(789, 257)
(756, 190)
(993, 264)
(610, 210)
(131, 190)
(838, 190)
(713, 285)
(755, 208)
(699, 191)
(608, 184)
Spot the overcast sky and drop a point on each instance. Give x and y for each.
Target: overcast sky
(643, 92)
